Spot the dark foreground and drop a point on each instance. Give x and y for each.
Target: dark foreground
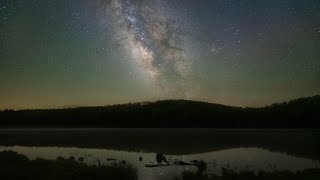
(247, 175)
(15, 166)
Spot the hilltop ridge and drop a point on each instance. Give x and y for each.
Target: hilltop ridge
(298, 113)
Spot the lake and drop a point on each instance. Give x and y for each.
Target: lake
(239, 149)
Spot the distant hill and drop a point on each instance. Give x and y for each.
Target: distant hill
(299, 113)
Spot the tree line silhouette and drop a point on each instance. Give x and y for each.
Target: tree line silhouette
(299, 113)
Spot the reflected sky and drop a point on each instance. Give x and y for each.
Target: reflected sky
(237, 158)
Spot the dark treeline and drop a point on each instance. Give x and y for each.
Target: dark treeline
(300, 113)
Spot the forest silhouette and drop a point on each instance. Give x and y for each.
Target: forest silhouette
(298, 113)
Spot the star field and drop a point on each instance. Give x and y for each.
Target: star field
(85, 53)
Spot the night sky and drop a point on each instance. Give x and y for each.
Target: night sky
(66, 53)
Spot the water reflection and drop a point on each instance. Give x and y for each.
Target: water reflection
(237, 158)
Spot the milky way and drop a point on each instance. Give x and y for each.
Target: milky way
(153, 38)
(97, 52)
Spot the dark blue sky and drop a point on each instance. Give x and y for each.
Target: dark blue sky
(236, 52)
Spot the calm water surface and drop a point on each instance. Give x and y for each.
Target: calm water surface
(253, 156)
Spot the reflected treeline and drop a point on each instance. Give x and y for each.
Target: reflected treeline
(300, 113)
